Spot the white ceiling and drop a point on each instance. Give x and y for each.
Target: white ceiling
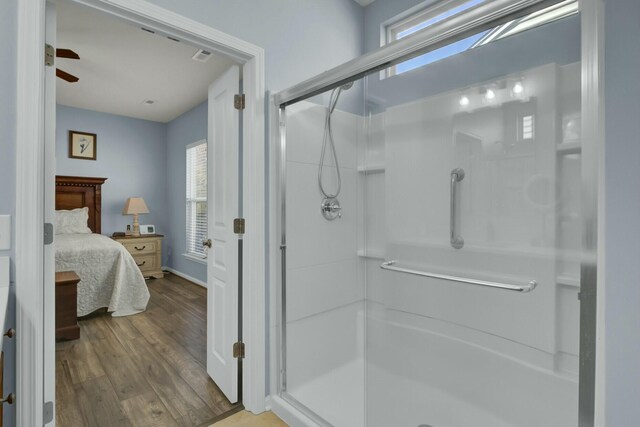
(364, 2)
(121, 66)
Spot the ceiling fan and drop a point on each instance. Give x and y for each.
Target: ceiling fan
(68, 54)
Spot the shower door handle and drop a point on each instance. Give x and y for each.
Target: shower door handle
(457, 175)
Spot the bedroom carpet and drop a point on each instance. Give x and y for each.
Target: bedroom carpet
(143, 370)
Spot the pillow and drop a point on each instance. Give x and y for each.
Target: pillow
(73, 222)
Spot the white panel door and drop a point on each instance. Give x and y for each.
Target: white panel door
(222, 259)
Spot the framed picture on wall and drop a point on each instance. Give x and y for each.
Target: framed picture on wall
(82, 145)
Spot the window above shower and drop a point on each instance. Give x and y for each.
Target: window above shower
(422, 17)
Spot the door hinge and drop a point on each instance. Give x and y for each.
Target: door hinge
(49, 55)
(47, 412)
(238, 350)
(239, 102)
(238, 226)
(48, 233)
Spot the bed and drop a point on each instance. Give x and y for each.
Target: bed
(109, 276)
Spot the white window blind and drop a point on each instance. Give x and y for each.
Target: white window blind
(527, 126)
(196, 198)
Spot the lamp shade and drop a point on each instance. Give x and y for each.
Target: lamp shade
(135, 205)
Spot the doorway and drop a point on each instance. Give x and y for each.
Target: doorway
(37, 346)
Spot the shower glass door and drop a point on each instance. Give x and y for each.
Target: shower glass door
(324, 302)
(439, 288)
(473, 319)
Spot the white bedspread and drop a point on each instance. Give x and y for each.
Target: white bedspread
(109, 276)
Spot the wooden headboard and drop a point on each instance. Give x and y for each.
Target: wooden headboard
(74, 192)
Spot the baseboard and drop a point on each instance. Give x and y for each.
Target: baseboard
(185, 276)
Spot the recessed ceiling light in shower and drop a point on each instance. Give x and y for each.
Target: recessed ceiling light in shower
(490, 95)
(518, 88)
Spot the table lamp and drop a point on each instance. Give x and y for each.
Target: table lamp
(135, 206)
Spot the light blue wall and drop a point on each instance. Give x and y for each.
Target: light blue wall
(131, 154)
(7, 108)
(186, 129)
(301, 38)
(622, 216)
(8, 18)
(7, 111)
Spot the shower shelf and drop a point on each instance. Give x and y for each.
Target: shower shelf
(568, 281)
(371, 169)
(371, 254)
(569, 147)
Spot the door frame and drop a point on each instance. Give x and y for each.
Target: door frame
(33, 346)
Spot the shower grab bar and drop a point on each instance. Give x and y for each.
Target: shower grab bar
(457, 175)
(391, 265)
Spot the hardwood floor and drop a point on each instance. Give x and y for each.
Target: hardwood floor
(143, 370)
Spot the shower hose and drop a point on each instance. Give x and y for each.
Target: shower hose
(328, 140)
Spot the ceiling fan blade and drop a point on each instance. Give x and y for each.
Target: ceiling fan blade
(66, 76)
(67, 53)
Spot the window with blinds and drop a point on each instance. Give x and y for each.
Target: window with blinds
(196, 198)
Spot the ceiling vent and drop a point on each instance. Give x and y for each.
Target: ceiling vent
(201, 55)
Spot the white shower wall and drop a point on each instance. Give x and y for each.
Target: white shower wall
(325, 282)
(447, 354)
(377, 348)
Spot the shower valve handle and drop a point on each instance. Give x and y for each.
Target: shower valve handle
(331, 209)
(335, 209)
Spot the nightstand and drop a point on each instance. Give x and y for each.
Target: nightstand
(147, 251)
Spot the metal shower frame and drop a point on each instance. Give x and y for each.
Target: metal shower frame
(479, 18)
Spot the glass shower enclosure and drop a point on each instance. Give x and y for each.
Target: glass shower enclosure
(440, 286)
